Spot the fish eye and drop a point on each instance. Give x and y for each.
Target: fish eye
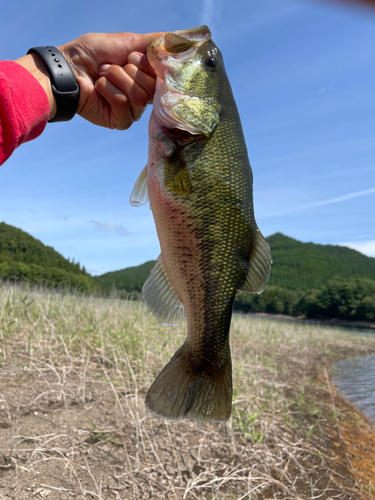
(211, 62)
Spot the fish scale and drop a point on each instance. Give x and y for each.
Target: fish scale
(199, 184)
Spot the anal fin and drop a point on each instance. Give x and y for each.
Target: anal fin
(160, 297)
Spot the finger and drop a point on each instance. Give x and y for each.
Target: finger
(121, 116)
(137, 95)
(143, 80)
(141, 61)
(139, 43)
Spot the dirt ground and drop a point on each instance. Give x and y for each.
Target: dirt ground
(353, 443)
(74, 372)
(53, 445)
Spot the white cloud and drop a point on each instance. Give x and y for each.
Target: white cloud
(211, 14)
(365, 247)
(349, 196)
(207, 15)
(329, 201)
(110, 226)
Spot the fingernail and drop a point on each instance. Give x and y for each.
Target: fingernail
(136, 57)
(103, 68)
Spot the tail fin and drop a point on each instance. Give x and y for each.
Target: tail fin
(179, 391)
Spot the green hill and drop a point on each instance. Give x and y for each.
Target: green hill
(130, 279)
(306, 279)
(23, 257)
(296, 266)
(301, 266)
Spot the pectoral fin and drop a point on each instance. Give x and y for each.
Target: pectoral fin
(160, 297)
(139, 194)
(199, 116)
(176, 174)
(260, 266)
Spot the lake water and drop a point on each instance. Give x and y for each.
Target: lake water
(355, 379)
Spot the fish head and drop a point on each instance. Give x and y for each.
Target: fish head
(190, 75)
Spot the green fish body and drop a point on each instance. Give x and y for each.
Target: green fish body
(199, 183)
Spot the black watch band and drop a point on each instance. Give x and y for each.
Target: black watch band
(63, 83)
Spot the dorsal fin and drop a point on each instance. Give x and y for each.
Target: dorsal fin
(259, 267)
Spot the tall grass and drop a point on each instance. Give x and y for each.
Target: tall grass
(74, 373)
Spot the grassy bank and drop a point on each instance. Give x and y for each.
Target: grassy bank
(74, 373)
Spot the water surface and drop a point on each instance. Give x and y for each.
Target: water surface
(355, 379)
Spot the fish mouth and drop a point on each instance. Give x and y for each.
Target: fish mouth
(175, 44)
(167, 54)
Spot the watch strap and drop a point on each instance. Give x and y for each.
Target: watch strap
(63, 83)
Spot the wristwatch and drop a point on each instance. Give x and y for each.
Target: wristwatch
(63, 83)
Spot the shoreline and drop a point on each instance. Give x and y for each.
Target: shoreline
(330, 322)
(351, 434)
(353, 440)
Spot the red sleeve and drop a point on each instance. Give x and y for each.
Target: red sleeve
(24, 108)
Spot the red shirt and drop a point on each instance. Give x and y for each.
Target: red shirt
(24, 108)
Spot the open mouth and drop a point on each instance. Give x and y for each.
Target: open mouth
(177, 42)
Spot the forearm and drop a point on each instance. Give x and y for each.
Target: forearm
(24, 107)
(35, 65)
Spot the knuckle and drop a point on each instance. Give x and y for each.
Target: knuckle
(120, 101)
(115, 71)
(100, 83)
(125, 125)
(139, 99)
(130, 69)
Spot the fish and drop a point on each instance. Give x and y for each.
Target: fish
(199, 183)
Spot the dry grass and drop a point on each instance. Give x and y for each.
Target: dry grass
(74, 373)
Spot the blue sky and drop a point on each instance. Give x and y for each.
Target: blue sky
(303, 76)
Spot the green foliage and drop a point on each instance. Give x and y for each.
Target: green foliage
(345, 299)
(130, 279)
(302, 266)
(25, 258)
(274, 300)
(351, 299)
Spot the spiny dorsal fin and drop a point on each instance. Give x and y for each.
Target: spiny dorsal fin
(139, 194)
(160, 297)
(259, 267)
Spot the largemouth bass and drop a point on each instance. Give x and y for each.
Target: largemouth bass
(198, 180)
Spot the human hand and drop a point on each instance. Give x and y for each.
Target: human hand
(115, 79)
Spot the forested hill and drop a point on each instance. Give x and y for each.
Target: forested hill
(23, 257)
(130, 279)
(296, 266)
(302, 266)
